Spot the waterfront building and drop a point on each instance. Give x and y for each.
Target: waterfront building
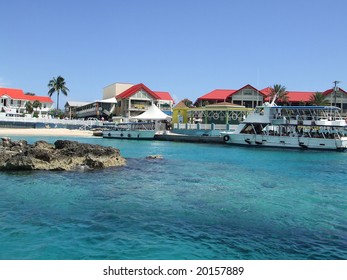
(337, 98)
(250, 97)
(99, 109)
(71, 107)
(14, 101)
(180, 113)
(247, 96)
(133, 100)
(121, 101)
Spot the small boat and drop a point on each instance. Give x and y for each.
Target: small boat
(304, 127)
(131, 130)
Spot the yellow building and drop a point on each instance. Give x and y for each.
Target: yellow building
(180, 113)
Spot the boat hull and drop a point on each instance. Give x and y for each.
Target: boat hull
(286, 141)
(129, 134)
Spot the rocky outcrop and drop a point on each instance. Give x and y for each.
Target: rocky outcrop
(63, 155)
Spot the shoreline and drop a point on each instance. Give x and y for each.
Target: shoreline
(44, 132)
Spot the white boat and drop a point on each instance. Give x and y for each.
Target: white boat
(306, 127)
(132, 130)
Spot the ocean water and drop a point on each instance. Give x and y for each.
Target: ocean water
(200, 201)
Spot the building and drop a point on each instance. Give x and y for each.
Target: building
(247, 96)
(251, 97)
(336, 98)
(14, 101)
(71, 107)
(99, 109)
(115, 89)
(180, 113)
(133, 100)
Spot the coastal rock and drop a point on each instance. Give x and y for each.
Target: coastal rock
(154, 157)
(63, 155)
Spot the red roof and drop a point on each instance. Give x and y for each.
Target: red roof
(217, 94)
(132, 90)
(293, 96)
(12, 92)
(223, 94)
(19, 94)
(298, 96)
(331, 90)
(249, 86)
(164, 95)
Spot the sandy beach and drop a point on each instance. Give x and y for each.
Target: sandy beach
(45, 132)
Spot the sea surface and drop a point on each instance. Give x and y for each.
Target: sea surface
(201, 201)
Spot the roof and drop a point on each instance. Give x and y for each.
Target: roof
(108, 100)
(223, 94)
(181, 105)
(132, 90)
(164, 95)
(217, 94)
(249, 86)
(76, 103)
(293, 96)
(332, 90)
(297, 96)
(19, 94)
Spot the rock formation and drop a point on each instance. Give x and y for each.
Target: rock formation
(63, 155)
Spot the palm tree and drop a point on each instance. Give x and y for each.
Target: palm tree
(278, 92)
(319, 99)
(57, 85)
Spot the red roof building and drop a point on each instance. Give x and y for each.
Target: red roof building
(250, 97)
(136, 99)
(247, 96)
(14, 100)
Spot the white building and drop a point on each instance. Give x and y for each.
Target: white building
(13, 101)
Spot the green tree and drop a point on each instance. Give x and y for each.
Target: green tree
(319, 99)
(37, 104)
(29, 107)
(57, 85)
(57, 113)
(187, 102)
(278, 92)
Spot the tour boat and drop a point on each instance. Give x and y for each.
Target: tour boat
(132, 130)
(306, 127)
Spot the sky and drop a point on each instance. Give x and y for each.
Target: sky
(185, 47)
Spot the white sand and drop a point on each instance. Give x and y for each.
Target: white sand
(45, 132)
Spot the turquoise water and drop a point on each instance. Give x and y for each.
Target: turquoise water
(200, 202)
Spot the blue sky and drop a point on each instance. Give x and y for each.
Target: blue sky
(186, 47)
